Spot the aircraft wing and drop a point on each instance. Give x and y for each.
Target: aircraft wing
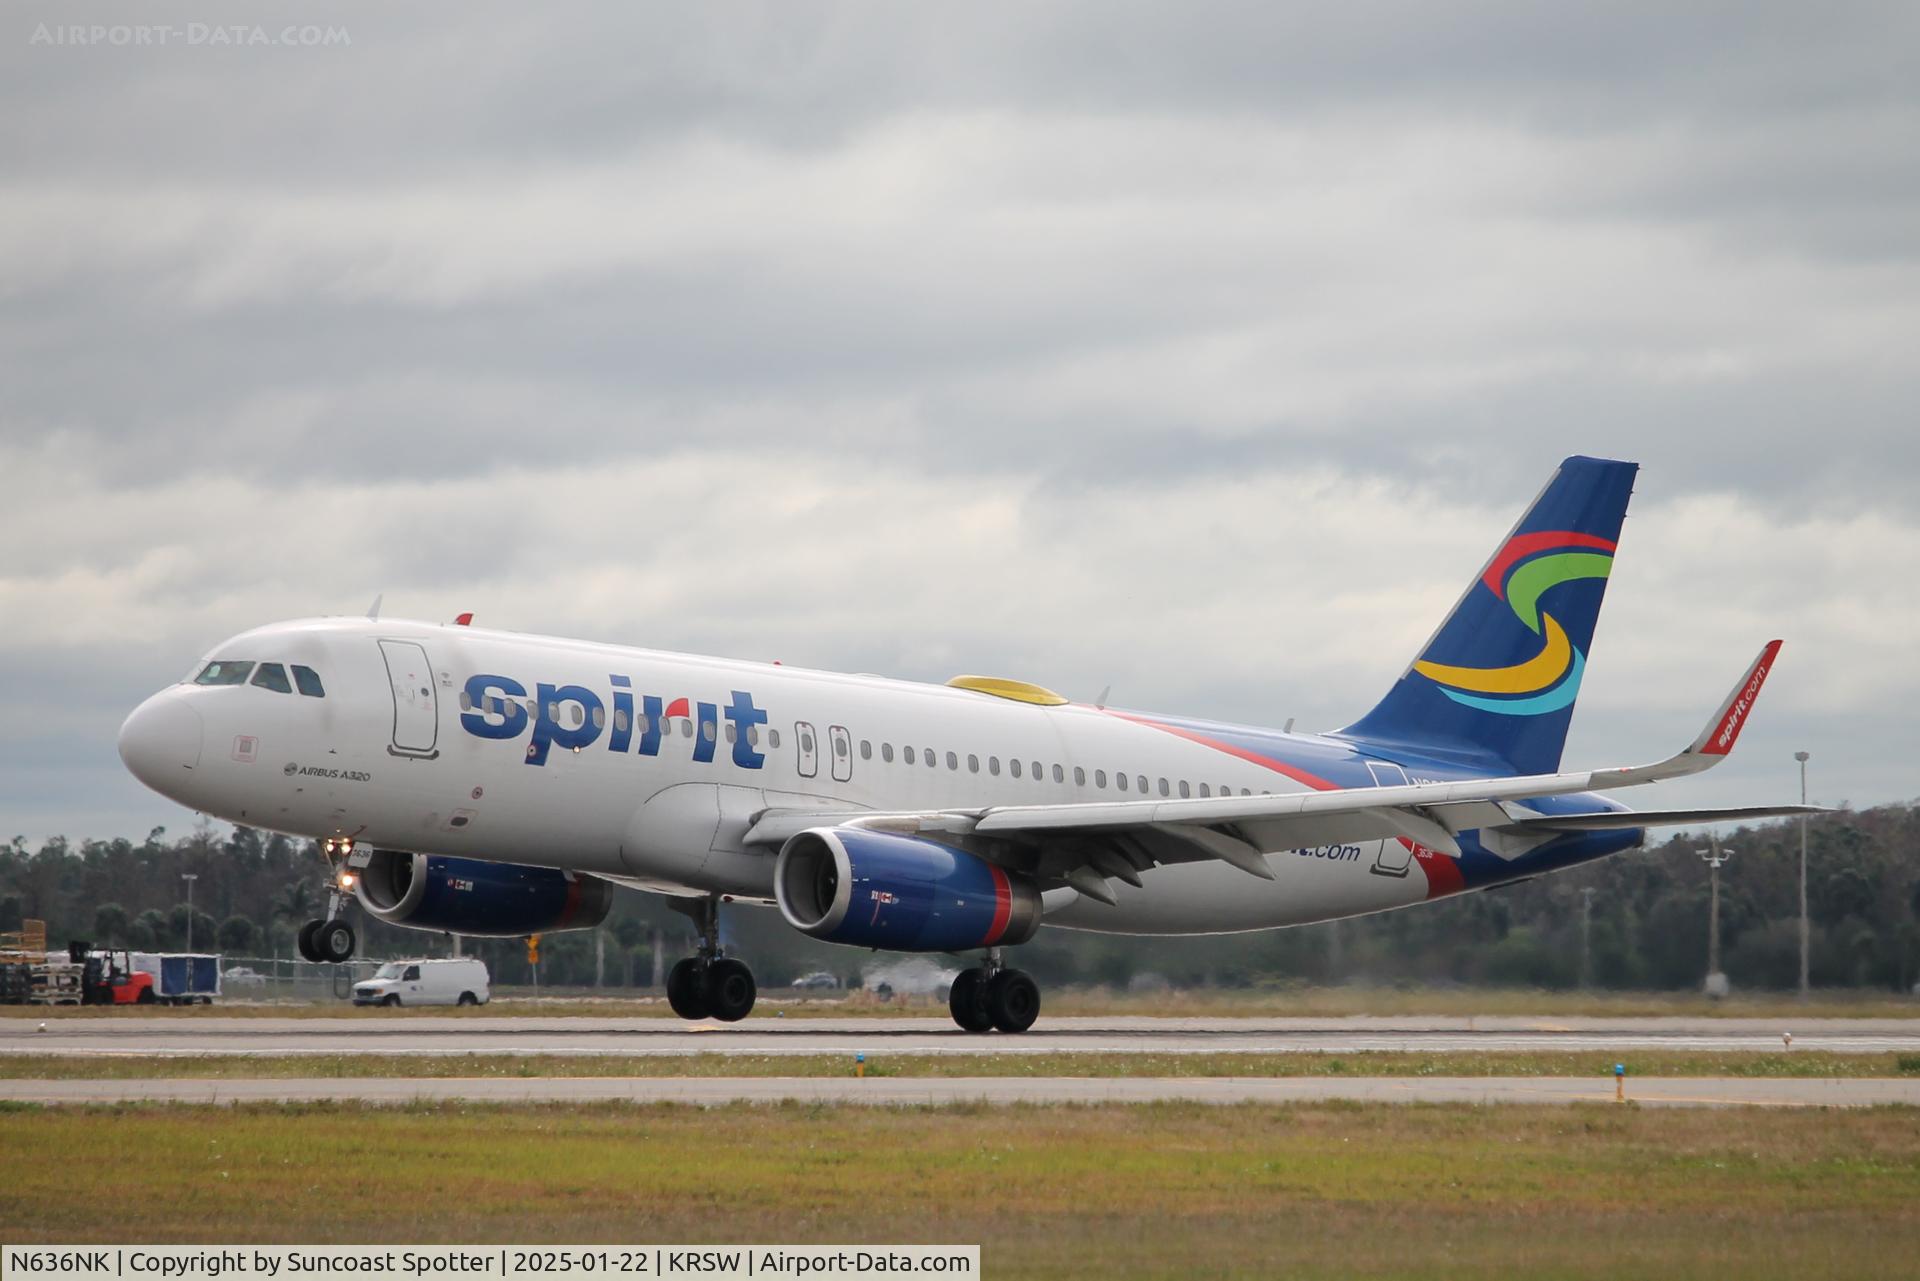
(1239, 829)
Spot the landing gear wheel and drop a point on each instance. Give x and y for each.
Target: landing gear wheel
(687, 989)
(305, 940)
(1013, 1000)
(730, 989)
(334, 941)
(967, 1000)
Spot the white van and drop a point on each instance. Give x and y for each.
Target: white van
(460, 981)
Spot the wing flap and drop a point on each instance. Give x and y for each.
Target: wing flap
(1627, 819)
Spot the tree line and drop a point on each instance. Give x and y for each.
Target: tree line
(1643, 926)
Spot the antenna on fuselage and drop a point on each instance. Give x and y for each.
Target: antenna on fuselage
(373, 610)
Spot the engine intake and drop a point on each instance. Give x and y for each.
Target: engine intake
(476, 898)
(903, 893)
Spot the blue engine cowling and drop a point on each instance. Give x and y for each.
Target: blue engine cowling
(883, 890)
(479, 899)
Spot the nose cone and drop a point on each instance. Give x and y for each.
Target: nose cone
(160, 742)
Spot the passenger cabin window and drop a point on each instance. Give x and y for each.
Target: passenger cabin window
(1120, 781)
(224, 673)
(1014, 765)
(274, 677)
(1100, 779)
(907, 755)
(886, 753)
(1079, 776)
(993, 766)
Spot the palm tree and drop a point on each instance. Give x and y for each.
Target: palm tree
(296, 904)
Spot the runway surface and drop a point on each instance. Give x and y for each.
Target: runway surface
(406, 1032)
(905, 1092)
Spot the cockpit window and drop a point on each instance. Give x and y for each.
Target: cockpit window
(274, 677)
(223, 673)
(309, 681)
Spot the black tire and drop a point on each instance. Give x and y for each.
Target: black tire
(730, 990)
(467, 998)
(304, 940)
(967, 1001)
(334, 941)
(146, 997)
(687, 989)
(392, 1001)
(1013, 1000)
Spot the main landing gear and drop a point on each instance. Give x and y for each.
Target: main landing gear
(329, 938)
(992, 996)
(707, 984)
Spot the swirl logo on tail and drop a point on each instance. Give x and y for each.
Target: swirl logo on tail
(1526, 568)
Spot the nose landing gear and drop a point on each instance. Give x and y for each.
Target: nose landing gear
(991, 996)
(328, 938)
(707, 984)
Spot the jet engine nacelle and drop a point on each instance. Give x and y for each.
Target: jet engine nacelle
(902, 893)
(483, 900)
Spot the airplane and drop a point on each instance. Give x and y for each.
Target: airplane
(488, 783)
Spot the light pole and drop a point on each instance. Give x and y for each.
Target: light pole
(1715, 858)
(1805, 932)
(189, 878)
(1586, 938)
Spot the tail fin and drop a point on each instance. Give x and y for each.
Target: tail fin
(1499, 678)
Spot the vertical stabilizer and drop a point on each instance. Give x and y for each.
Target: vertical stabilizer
(1499, 678)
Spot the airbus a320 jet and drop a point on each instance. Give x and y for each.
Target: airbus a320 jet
(488, 783)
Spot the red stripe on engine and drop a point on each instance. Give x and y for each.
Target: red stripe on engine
(572, 904)
(1002, 907)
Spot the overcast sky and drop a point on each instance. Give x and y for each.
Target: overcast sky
(1200, 351)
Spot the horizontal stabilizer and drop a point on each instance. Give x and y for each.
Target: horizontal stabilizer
(1621, 820)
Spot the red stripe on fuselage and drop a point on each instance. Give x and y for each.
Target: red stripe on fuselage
(1002, 907)
(1527, 544)
(1253, 758)
(1443, 873)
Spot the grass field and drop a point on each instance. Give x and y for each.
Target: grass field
(1140, 1191)
(1318, 1002)
(1598, 1065)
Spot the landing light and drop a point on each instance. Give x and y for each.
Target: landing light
(346, 880)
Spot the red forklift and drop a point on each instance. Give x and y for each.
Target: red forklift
(108, 977)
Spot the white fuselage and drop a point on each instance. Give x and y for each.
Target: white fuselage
(415, 746)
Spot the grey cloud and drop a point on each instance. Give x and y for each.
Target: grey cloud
(1198, 350)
